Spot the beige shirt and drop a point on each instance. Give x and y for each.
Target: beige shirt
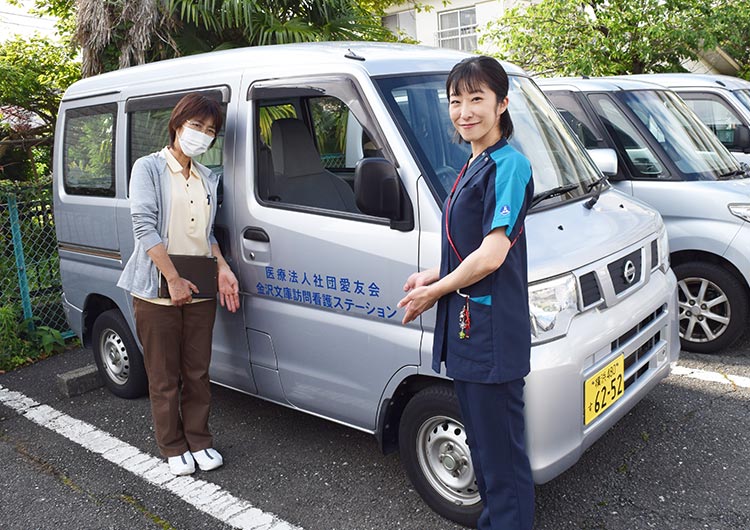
(188, 220)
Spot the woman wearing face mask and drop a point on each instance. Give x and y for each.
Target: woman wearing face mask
(173, 206)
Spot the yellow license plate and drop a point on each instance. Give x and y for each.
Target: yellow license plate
(602, 389)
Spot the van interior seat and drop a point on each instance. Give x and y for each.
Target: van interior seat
(300, 177)
(265, 173)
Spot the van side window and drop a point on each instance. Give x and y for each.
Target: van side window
(88, 150)
(574, 115)
(307, 147)
(640, 158)
(148, 132)
(716, 114)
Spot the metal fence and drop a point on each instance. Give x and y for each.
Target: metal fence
(29, 263)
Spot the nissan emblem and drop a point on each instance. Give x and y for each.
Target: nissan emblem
(629, 272)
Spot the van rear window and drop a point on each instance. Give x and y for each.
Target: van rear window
(88, 150)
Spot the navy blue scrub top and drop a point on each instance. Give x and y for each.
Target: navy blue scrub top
(494, 191)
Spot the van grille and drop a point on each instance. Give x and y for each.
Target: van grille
(626, 271)
(644, 350)
(654, 254)
(590, 292)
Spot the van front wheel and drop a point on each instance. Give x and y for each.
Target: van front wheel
(117, 356)
(713, 307)
(435, 455)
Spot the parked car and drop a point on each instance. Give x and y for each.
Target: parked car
(722, 102)
(335, 161)
(666, 157)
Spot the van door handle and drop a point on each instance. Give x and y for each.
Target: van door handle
(256, 234)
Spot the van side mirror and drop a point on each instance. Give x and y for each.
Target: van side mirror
(378, 191)
(605, 160)
(742, 137)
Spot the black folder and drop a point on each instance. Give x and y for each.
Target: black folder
(200, 270)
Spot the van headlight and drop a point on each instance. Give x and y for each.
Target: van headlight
(552, 305)
(663, 245)
(740, 210)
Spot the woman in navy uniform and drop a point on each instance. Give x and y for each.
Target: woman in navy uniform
(482, 330)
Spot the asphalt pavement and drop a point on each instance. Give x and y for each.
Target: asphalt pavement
(679, 460)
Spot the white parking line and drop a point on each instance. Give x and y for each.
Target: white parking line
(202, 495)
(714, 377)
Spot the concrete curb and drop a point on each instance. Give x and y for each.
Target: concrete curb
(80, 380)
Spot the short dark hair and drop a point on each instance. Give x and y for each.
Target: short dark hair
(472, 72)
(194, 106)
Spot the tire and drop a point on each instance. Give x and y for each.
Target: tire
(435, 455)
(118, 359)
(713, 307)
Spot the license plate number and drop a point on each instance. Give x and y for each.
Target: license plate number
(603, 389)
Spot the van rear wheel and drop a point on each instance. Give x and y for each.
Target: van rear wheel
(436, 457)
(117, 356)
(713, 306)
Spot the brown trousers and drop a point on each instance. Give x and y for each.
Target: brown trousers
(176, 352)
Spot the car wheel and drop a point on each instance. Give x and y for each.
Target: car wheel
(117, 356)
(713, 307)
(435, 454)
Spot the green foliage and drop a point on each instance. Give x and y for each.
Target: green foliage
(22, 343)
(604, 37)
(219, 24)
(14, 350)
(34, 73)
(733, 26)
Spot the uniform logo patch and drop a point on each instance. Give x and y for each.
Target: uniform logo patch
(505, 210)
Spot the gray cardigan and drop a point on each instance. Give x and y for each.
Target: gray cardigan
(150, 196)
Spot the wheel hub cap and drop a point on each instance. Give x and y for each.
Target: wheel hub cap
(445, 460)
(704, 310)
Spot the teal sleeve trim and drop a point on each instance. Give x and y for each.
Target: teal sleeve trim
(484, 300)
(511, 177)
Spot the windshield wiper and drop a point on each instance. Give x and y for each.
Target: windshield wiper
(598, 183)
(733, 173)
(554, 192)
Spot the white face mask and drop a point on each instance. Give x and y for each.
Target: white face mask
(193, 143)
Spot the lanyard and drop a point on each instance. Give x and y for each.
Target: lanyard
(448, 212)
(447, 216)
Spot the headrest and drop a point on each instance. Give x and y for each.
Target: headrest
(293, 150)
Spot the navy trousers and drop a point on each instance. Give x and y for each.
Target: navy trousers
(494, 422)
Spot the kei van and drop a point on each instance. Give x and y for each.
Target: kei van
(722, 102)
(667, 158)
(335, 160)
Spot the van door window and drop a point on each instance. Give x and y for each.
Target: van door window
(716, 114)
(640, 158)
(88, 150)
(307, 146)
(576, 118)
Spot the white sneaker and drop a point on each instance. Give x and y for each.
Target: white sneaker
(208, 459)
(182, 464)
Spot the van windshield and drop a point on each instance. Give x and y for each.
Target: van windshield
(693, 148)
(420, 106)
(744, 97)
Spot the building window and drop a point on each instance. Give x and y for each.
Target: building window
(403, 24)
(458, 29)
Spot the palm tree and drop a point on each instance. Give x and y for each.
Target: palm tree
(117, 33)
(124, 29)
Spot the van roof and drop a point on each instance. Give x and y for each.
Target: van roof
(380, 58)
(596, 84)
(696, 80)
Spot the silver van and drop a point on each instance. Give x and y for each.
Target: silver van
(722, 102)
(335, 160)
(666, 157)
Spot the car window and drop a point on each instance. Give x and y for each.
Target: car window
(88, 150)
(716, 114)
(639, 157)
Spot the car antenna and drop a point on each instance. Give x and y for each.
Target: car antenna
(352, 55)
